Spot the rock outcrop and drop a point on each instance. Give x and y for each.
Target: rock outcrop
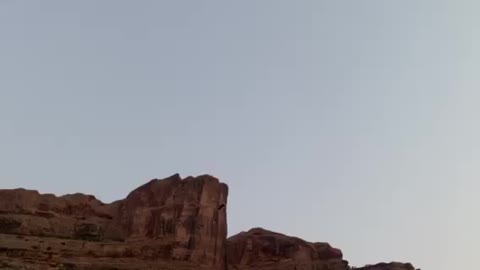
(388, 266)
(262, 249)
(165, 224)
(169, 224)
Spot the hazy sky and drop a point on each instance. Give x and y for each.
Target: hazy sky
(352, 122)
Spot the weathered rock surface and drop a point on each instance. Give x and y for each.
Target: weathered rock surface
(388, 266)
(262, 249)
(169, 224)
(165, 224)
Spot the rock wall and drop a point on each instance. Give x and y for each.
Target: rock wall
(165, 224)
(169, 224)
(262, 249)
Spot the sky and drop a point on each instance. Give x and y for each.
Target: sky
(350, 122)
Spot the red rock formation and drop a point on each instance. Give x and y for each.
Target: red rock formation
(262, 249)
(167, 224)
(388, 266)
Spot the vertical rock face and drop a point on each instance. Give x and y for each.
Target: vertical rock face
(165, 224)
(262, 249)
(188, 215)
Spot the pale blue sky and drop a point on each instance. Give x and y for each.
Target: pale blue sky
(352, 122)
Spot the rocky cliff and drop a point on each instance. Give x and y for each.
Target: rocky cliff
(262, 249)
(165, 224)
(169, 224)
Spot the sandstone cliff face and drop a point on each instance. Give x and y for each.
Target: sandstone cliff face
(262, 249)
(169, 224)
(165, 224)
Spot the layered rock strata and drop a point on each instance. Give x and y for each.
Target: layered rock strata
(169, 224)
(165, 224)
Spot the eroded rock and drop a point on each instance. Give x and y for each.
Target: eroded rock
(167, 224)
(262, 249)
